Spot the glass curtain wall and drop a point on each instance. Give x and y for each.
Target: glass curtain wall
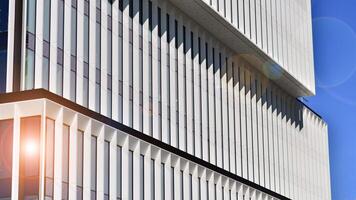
(6, 135)
(29, 157)
(4, 13)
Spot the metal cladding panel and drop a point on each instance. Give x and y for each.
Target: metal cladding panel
(298, 166)
(274, 36)
(201, 88)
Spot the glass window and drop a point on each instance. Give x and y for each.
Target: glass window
(106, 169)
(46, 49)
(93, 167)
(172, 182)
(59, 79)
(60, 23)
(73, 61)
(109, 100)
(86, 54)
(73, 78)
(4, 8)
(150, 67)
(6, 132)
(30, 69)
(152, 179)
(222, 193)
(190, 186)
(97, 97)
(98, 46)
(3, 61)
(46, 40)
(199, 188)
(80, 135)
(119, 171)
(163, 187)
(49, 158)
(159, 89)
(74, 32)
(31, 16)
(120, 55)
(130, 175)
(207, 189)
(45, 73)
(86, 7)
(30, 41)
(181, 185)
(29, 157)
(65, 162)
(215, 193)
(86, 38)
(98, 61)
(109, 64)
(86, 84)
(46, 19)
(130, 123)
(142, 177)
(140, 66)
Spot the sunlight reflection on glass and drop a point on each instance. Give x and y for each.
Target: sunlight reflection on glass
(31, 148)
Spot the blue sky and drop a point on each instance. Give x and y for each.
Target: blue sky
(334, 27)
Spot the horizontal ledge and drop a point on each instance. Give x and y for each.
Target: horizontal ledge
(44, 94)
(225, 32)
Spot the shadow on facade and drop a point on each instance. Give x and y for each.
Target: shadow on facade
(280, 104)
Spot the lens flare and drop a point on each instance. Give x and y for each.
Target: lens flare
(31, 148)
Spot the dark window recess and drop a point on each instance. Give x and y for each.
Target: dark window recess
(109, 23)
(73, 63)
(30, 41)
(46, 49)
(74, 3)
(98, 15)
(59, 56)
(86, 70)
(159, 22)
(86, 8)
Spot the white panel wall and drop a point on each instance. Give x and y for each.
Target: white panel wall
(288, 36)
(212, 104)
(311, 172)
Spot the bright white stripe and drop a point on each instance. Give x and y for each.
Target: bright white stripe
(115, 61)
(67, 49)
(136, 65)
(39, 44)
(165, 71)
(224, 111)
(181, 86)
(80, 55)
(146, 75)
(10, 47)
(217, 97)
(189, 94)
(231, 115)
(92, 53)
(211, 100)
(197, 94)
(126, 87)
(155, 74)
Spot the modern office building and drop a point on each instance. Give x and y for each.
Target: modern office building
(159, 100)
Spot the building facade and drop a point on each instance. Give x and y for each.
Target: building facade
(159, 99)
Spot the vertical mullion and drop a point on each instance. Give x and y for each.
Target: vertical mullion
(39, 44)
(136, 64)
